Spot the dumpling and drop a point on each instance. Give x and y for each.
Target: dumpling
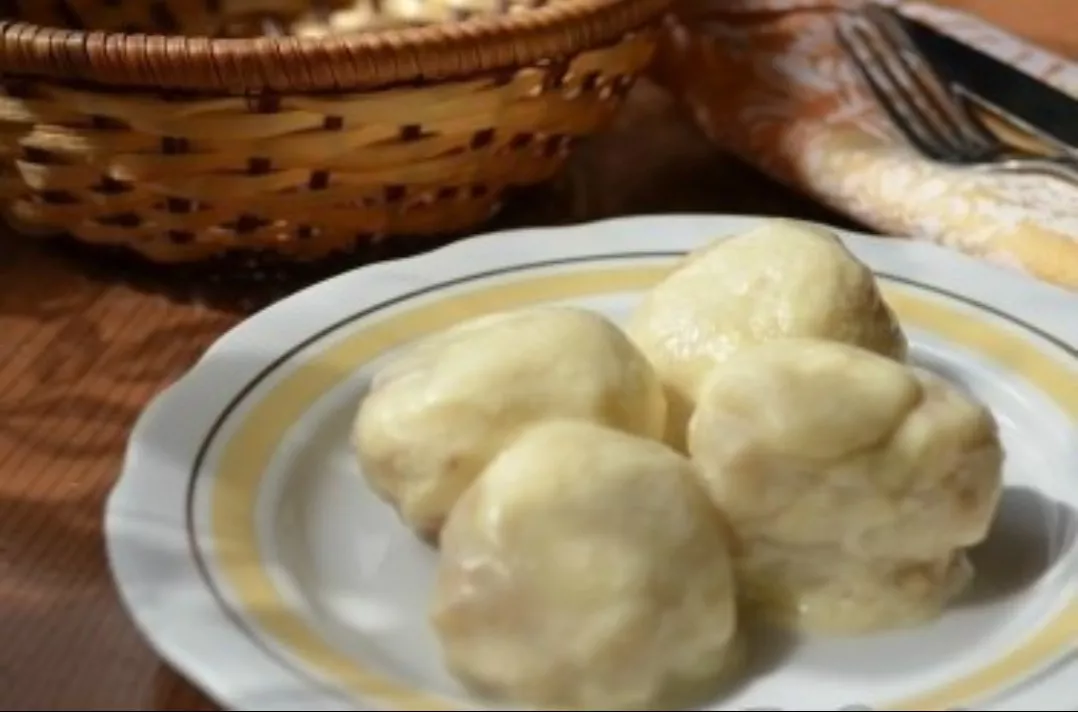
(852, 482)
(783, 279)
(434, 417)
(587, 569)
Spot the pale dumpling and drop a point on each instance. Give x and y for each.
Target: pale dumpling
(435, 416)
(587, 569)
(853, 483)
(783, 279)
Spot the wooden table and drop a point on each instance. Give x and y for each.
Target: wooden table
(86, 341)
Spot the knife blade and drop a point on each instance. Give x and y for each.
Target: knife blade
(1010, 91)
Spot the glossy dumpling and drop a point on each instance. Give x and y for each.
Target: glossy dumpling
(435, 416)
(586, 568)
(853, 483)
(783, 279)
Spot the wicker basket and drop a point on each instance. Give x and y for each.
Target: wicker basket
(198, 142)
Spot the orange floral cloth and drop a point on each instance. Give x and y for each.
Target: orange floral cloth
(766, 80)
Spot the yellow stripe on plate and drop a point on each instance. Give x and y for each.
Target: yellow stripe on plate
(246, 456)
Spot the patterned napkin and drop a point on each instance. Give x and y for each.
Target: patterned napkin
(767, 81)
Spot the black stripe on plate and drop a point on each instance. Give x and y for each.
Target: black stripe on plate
(237, 618)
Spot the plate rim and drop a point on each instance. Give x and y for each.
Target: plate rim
(190, 658)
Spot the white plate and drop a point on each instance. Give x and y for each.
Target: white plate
(251, 554)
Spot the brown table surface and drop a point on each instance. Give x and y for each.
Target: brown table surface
(86, 341)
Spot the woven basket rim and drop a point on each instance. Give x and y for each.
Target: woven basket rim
(344, 62)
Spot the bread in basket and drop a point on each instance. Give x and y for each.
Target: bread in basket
(187, 128)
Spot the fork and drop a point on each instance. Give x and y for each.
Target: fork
(932, 118)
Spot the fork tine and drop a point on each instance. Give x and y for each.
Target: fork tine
(852, 32)
(893, 63)
(926, 83)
